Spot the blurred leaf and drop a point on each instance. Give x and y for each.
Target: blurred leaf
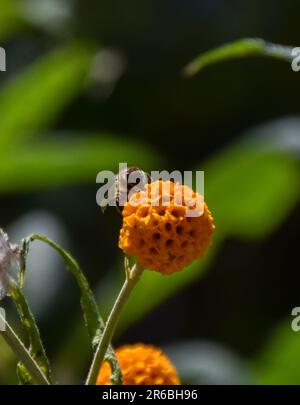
(62, 161)
(238, 49)
(279, 361)
(251, 188)
(11, 18)
(33, 100)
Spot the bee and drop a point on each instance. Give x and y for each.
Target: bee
(123, 185)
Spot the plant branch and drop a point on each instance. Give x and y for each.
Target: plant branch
(132, 278)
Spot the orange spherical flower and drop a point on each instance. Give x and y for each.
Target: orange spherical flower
(166, 226)
(141, 365)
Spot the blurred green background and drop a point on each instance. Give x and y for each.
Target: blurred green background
(90, 84)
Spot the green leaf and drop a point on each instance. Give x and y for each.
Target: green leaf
(36, 347)
(238, 49)
(11, 19)
(251, 188)
(34, 99)
(72, 160)
(93, 320)
(279, 360)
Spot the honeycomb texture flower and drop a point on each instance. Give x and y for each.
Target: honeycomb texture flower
(159, 231)
(141, 365)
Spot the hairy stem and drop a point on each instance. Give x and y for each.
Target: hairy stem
(130, 282)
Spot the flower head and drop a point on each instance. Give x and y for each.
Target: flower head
(8, 254)
(141, 365)
(158, 230)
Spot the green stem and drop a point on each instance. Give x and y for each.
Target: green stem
(22, 353)
(130, 282)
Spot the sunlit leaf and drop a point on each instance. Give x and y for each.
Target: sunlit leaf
(279, 360)
(238, 49)
(11, 19)
(65, 161)
(34, 99)
(251, 188)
